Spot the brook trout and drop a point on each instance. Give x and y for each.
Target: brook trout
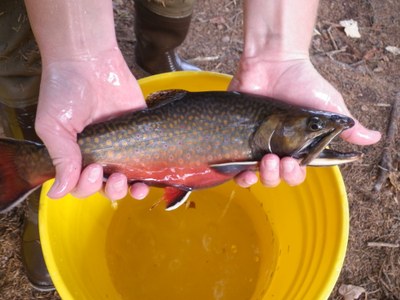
(184, 141)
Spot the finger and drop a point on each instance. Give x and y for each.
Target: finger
(90, 182)
(116, 186)
(246, 179)
(139, 190)
(291, 171)
(269, 170)
(360, 135)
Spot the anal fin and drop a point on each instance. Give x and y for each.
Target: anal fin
(175, 197)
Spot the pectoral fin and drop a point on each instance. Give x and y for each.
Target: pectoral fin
(175, 197)
(233, 168)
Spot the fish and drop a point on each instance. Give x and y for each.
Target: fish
(184, 141)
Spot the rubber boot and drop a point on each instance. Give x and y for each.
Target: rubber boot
(32, 255)
(20, 72)
(157, 39)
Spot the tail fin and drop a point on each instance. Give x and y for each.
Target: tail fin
(15, 183)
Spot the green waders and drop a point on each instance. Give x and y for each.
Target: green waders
(20, 72)
(160, 27)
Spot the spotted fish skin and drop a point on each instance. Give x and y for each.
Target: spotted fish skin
(174, 143)
(182, 141)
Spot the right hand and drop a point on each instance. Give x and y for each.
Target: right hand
(74, 94)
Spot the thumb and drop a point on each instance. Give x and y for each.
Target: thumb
(67, 160)
(361, 135)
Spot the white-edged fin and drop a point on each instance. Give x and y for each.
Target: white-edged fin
(175, 197)
(18, 201)
(233, 168)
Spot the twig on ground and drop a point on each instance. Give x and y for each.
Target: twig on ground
(204, 58)
(386, 164)
(382, 105)
(329, 31)
(358, 63)
(383, 245)
(333, 52)
(331, 24)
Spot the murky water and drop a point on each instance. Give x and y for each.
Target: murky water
(209, 250)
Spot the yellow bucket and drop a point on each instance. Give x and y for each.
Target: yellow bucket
(228, 243)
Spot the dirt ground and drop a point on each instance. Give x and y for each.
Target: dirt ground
(367, 75)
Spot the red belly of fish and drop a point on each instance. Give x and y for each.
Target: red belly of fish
(193, 177)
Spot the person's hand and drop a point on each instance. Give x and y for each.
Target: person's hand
(295, 81)
(73, 94)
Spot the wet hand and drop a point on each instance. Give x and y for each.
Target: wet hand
(295, 81)
(74, 94)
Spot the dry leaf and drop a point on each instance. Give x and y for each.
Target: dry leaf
(351, 292)
(351, 28)
(393, 50)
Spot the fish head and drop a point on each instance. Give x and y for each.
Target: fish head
(303, 134)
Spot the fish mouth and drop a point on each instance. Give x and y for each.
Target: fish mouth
(316, 153)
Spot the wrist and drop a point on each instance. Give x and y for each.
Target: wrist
(72, 29)
(89, 56)
(271, 53)
(260, 74)
(70, 53)
(278, 30)
(271, 64)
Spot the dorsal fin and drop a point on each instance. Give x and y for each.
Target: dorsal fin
(160, 98)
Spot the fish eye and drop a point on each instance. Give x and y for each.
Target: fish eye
(315, 124)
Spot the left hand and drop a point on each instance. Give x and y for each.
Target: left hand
(295, 81)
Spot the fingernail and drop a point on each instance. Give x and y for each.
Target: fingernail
(271, 164)
(57, 189)
(119, 185)
(138, 195)
(139, 191)
(250, 180)
(53, 189)
(94, 174)
(289, 166)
